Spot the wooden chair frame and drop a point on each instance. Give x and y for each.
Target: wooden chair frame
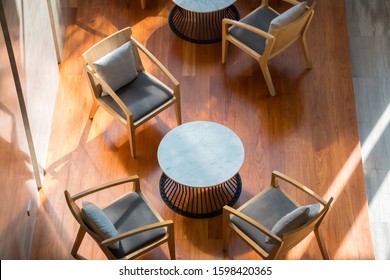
(279, 41)
(104, 244)
(288, 240)
(96, 83)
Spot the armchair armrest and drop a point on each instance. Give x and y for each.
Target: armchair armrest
(226, 23)
(156, 62)
(134, 179)
(278, 175)
(112, 240)
(292, 2)
(229, 210)
(295, 2)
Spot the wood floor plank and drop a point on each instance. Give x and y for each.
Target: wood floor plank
(308, 131)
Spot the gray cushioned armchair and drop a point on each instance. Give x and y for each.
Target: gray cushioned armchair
(124, 229)
(264, 33)
(123, 87)
(272, 222)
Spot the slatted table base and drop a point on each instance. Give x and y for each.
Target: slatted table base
(199, 202)
(200, 28)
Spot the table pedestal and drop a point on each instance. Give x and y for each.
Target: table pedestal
(201, 28)
(196, 202)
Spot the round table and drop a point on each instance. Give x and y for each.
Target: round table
(200, 21)
(200, 162)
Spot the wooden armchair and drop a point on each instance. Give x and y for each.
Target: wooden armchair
(272, 222)
(121, 85)
(126, 228)
(264, 33)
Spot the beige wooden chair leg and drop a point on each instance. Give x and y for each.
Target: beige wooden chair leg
(143, 4)
(309, 62)
(95, 107)
(225, 44)
(178, 112)
(321, 244)
(267, 77)
(171, 242)
(226, 230)
(77, 242)
(131, 131)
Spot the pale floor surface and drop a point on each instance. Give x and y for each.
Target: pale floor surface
(369, 38)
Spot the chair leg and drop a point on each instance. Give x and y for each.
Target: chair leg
(321, 244)
(267, 77)
(178, 112)
(131, 131)
(77, 242)
(306, 52)
(225, 230)
(225, 44)
(143, 4)
(94, 108)
(171, 242)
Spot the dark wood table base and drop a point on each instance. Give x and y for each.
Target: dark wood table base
(200, 28)
(198, 202)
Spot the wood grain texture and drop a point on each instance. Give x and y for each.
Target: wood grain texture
(308, 131)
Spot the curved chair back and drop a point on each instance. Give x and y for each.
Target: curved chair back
(287, 35)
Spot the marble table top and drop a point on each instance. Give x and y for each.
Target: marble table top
(203, 6)
(200, 154)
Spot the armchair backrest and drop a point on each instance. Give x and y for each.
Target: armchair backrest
(104, 47)
(107, 45)
(288, 34)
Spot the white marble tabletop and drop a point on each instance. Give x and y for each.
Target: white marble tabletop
(203, 6)
(200, 154)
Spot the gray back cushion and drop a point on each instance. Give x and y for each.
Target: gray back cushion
(287, 17)
(294, 220)
(118, 67)
(98, 222)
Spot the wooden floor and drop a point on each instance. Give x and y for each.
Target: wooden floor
(308, 131)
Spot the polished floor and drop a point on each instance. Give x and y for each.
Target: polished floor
(369, 38)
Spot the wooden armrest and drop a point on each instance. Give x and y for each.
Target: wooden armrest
(253, 223)
(278, 175)
(228, 22)
(156, 61)
(112, 240)
(292, 2)
(295, 2)
(133, 178)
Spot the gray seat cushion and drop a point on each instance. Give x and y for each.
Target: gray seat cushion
(260, 19)
(128, 213)
(141, 96)
(267, 210)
